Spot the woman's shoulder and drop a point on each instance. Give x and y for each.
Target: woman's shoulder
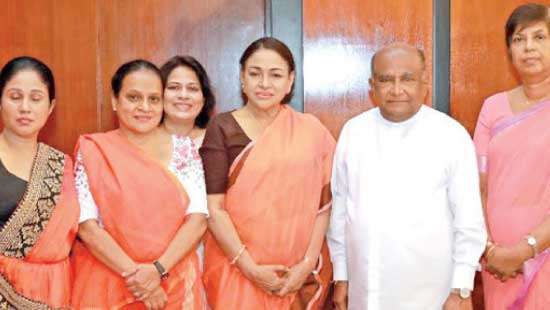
(221, 118)
(54, 154)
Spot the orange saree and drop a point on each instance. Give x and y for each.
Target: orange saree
(142, 206)
(35, 243)
(276, 187)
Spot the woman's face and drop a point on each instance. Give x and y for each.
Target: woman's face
(183, 97)
(530, 49)
(139, 102)
(25, 105)
(266, 79)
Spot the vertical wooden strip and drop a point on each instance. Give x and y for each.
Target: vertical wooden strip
(286, 21)
(441, 55)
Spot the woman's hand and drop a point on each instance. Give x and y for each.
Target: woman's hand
(143, 282)
(296, 277)
(270, 278)
(157, 300)
(507, 262)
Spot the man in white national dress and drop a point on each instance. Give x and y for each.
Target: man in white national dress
(407, 227)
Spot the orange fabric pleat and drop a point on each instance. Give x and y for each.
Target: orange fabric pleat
(44, 275)
(273, 204)
(142, 207)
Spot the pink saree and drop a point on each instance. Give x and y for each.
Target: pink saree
(514, 152)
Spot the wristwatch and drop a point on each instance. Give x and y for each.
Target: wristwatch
(532, 242)
(463, 293)
(162, 271)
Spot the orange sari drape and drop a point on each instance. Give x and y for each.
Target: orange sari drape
(283, 179)
(35, 243)
(142, 207)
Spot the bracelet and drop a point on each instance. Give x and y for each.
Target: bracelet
(236, 258)
(489, 248)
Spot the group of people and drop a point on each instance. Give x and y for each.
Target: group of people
(181, 209)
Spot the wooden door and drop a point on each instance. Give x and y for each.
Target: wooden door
(340, 38)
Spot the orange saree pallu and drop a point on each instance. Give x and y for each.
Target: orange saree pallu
(276, 187)
(35, 243)
(142, 206)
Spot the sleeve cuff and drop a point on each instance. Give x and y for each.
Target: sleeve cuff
(463, 276)
(340, 271)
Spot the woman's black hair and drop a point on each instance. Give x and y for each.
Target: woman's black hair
(129, 67)
(23, 63)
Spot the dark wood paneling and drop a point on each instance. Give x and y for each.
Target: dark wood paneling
(340, 37)
(216, 32)
(479, 60)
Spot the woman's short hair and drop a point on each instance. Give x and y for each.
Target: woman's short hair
(525, 15)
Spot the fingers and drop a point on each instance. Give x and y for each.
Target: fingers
(128, 274)
(278, 268)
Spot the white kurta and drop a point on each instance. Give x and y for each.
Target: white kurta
(407, 222)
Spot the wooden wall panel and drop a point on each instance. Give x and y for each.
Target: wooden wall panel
(340, 38)
(62, 34)
(215, 32)
(84, 42)
(479, 60)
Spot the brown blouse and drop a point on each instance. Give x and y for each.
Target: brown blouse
(223, 141)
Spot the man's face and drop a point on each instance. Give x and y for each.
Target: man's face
(399, 83)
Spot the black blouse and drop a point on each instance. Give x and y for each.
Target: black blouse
(12, 189)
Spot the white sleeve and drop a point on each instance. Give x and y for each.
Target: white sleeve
(470, 234)
(188, 168)
(336, 235)
(88, 207)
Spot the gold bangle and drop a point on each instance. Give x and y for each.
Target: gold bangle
(236, 258)
(490, 248)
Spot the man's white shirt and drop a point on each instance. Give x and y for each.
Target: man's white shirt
(407, 222)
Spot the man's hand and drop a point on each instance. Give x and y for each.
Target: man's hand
(340, 297)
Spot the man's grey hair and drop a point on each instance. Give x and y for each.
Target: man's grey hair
(397, 45)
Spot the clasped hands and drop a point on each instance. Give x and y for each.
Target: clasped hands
(278, 279)
(144, 283)
(506, 262)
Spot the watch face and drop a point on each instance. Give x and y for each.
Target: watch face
(531, 241)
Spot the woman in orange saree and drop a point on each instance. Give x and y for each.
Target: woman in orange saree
(141, 192)
(267, 171)
(38, 206)
(512, 142)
